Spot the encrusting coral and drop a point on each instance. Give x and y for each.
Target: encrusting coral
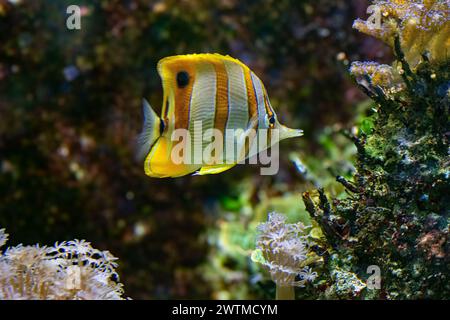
(71, 270)
(421, 25)
(395, 216)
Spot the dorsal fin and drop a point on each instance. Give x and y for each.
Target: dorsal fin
(150, 131)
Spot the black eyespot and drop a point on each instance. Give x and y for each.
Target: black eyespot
(182, 79)
(272, 120)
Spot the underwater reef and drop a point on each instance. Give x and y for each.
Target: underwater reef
(396, 214)
(70, 105)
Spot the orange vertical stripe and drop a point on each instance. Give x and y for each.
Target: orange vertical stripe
(267, 105)
(251, 98)
(221, 116)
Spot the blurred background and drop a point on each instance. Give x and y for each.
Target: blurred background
(70, 109)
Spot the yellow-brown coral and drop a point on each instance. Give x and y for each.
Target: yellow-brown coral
(380, 74)
(421, 25)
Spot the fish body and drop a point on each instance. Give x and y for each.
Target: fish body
(213, 94)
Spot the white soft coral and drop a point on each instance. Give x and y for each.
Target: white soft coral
(72, 270)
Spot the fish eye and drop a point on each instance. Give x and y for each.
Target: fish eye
(272, 120)
(182, 79)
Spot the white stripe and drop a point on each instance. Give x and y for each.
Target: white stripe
(203, 104)
(257, 84)
(237, 109)
(237, 97)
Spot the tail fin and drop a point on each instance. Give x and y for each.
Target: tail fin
(150, 131)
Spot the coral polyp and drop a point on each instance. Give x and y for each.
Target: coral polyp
(286, 254)
(71, 270)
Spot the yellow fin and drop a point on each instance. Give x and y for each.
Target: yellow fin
(214, 169)
(196, 57)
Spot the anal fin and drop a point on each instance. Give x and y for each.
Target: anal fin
(214, 169)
